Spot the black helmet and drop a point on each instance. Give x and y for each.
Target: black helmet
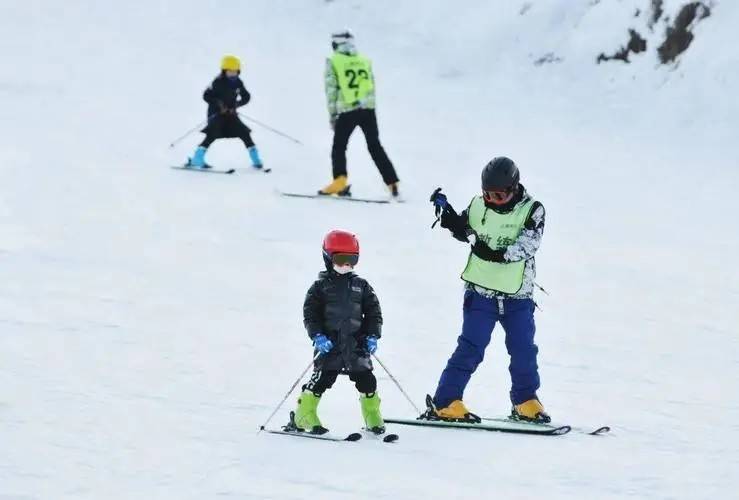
(342, 41)
(500, 174)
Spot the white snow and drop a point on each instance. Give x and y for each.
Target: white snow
(150, 319)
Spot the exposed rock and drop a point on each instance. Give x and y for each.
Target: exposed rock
(548, 58)
(635, 45)
(657, 11)
(679, 36)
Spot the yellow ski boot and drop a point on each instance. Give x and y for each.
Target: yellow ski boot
(530, 411)
(456, 411)
(338, 186)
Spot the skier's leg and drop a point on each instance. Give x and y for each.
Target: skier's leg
(209, 139)
(480, 314)
(520, 328)
(306, 413)
(343, 128)
(256, 160)
(320, 381)
(366, 383)
(368, 123)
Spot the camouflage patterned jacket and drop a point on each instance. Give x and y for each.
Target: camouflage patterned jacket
(335, 104)
(524, 248)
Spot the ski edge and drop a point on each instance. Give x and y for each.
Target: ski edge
(540, 431)
(204, 170)
(379, 201)
(599, 431)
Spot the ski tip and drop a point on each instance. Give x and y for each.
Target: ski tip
(600, 430)
(564, 429)
(390, 438)
(354, 436)
(230, 170)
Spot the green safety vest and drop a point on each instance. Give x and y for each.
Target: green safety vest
(498, 231)
(354, 74)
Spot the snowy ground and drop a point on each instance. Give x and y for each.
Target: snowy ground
(151, 319)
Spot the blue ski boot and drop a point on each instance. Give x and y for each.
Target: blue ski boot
(256, 161)
(198, 159)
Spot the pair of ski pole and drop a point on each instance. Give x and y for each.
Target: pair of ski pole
(246, 117)
(292, 387)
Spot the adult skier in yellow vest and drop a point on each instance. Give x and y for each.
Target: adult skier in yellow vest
(350, 92)
(505, 226)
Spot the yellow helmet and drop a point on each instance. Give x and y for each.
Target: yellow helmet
(230, 63)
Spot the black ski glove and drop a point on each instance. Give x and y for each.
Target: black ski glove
(483, 251)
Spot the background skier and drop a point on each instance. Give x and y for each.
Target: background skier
(224, 96)
(350, 92)
(505, 225)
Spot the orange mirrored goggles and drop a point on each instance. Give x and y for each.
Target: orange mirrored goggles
(498, 197)
(344, 259)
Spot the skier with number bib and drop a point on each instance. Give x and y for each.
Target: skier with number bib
(343, 318)
(350, 92)
(224, 96)
(505, 226)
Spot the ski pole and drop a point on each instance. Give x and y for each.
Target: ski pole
(196, 127)
(261, 428)
(397, 384)
(273, 130)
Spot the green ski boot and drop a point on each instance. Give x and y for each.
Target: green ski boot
(371, 413)
(306, 416)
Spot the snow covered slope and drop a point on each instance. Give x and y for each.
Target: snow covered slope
(150, 319)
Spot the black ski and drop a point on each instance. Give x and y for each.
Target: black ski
(204, 170)
(597, 432)
(257, 170)
(354, 436)
(290, 429)
(385, 438)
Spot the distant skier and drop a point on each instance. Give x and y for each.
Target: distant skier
(505, 226)
(224, 96)
(343, 319)
(350, 92)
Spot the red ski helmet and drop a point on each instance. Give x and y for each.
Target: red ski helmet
(340, 245)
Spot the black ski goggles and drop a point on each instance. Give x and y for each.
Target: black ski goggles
(345, 259)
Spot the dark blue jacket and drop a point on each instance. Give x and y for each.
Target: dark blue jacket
(225, 91)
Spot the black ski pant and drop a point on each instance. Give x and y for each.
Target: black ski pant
(244, 136)
(366, 119)
(226, 127)
(321, 380)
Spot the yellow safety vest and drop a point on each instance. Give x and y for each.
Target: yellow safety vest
(354, 74)
(498, 231)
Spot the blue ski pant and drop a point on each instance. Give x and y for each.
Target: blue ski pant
(480, 316)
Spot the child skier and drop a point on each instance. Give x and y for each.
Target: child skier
(224, 96)
(343, 318)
